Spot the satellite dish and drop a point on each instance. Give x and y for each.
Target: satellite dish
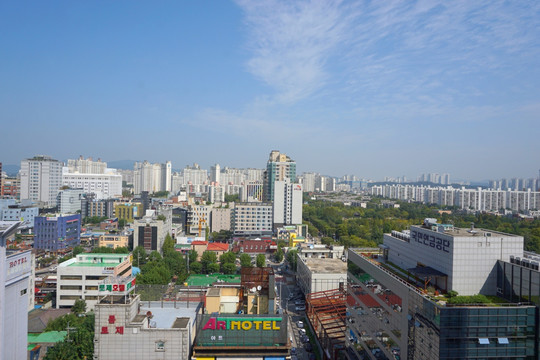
(259, 287)
(253, 289)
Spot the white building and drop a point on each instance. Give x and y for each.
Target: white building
(86, 166)
(252, 191)
(215, 172)
(194, 175)
(41, 179)
(78, 278)
(252, 217)
(127, 329)
(287, 205)
(216, 193)
(11, 210)
(152, 177)
(199, 214)
(69, 201)
(455, 252)
(105, 186)
(316, 274)
(14, 294)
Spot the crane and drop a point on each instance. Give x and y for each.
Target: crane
(201, 220)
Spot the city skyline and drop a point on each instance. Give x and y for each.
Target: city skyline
(370, 89)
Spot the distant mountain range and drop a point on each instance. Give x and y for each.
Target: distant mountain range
(121, 164)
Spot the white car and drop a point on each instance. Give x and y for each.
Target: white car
(300, 324)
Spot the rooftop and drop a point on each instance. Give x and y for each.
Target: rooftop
(207, 280)
(326, 266)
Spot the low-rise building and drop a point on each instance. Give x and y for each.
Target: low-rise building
(321, 251)
(79, 278)
(218, 248)
(128, 211)
(113, 241)
(126, 328)
(315, 274)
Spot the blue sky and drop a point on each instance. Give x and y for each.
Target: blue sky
(371, 88)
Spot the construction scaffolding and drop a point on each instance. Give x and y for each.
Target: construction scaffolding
(327, 312)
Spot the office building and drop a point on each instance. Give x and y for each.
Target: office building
(252, 217)
(150, 232)
(278, 168)
(86, 166)
(11, 187)
(152, 177)
(41, 179)
(55, 232)
(10, 210)
(396, 306)
(91, 206)
(113, 241)
(69, 201)
(220, 219)
(79, 277)
(104, 186)
(128, 211)
(251, 191)
(287, 204)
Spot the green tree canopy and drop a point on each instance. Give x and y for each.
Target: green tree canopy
(261, 260)
(195, 267)
(228, 268)
(139, 256)
(228, 257)
(79, 307)
(245, 260)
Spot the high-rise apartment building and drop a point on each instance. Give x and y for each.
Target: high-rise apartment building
(104, 186)
(215, 172)
(278, 168)
(287, 204)
(41, 179)
(86, 166)
(152, 177)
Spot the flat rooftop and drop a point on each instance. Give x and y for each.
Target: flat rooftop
(207, 280)
(326, 266)
(467, 232)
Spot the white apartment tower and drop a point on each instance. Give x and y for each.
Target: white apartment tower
(287, 205)
(86, 166)
(41, 179)
(215, 172)
(152, 177)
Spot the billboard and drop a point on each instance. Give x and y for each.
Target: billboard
(239, 330)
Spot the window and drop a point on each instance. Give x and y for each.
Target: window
(23, 291)
(160, 345)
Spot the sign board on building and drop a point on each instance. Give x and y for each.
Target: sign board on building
(18, 264)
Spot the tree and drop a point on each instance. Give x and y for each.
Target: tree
(79, 307)
(77, 250)
(245, 260)
(193, 255)
(212, 268)
(121, 250)
(261, 260)
(154, 256)
(279, 255)
(102, 250)
(228, 257)
(161, 217)
(228, 268)
(208, 257)
(161, 194)
(232, 197)
(168, 245)
(79, 345)
(139, 256)
(291, 259)
(122, 223)
(195, 267)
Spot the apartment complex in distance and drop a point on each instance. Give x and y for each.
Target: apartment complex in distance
(152, 177)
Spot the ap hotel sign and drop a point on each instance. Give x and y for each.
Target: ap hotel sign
(17, 265)
(432, 241)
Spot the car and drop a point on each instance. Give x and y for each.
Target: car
(293, 351)
(304, 339)
(299, 302)
(300, 308)
(302, 331)
(300, 324)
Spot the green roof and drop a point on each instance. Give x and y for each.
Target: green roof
(46, 337)
(182, 246)
(207, 280)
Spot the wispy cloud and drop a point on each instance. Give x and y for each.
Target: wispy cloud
(291, 42)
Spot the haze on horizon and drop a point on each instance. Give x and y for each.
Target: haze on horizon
(370, 88)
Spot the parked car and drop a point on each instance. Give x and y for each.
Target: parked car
(299, 302)
(304, 339)
(293, 351)
(302, 331)
(300, 308)
(300, 324)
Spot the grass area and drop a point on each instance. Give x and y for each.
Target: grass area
(312, 338)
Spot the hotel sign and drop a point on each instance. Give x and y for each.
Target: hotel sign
(242, 324)
(18, 264)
